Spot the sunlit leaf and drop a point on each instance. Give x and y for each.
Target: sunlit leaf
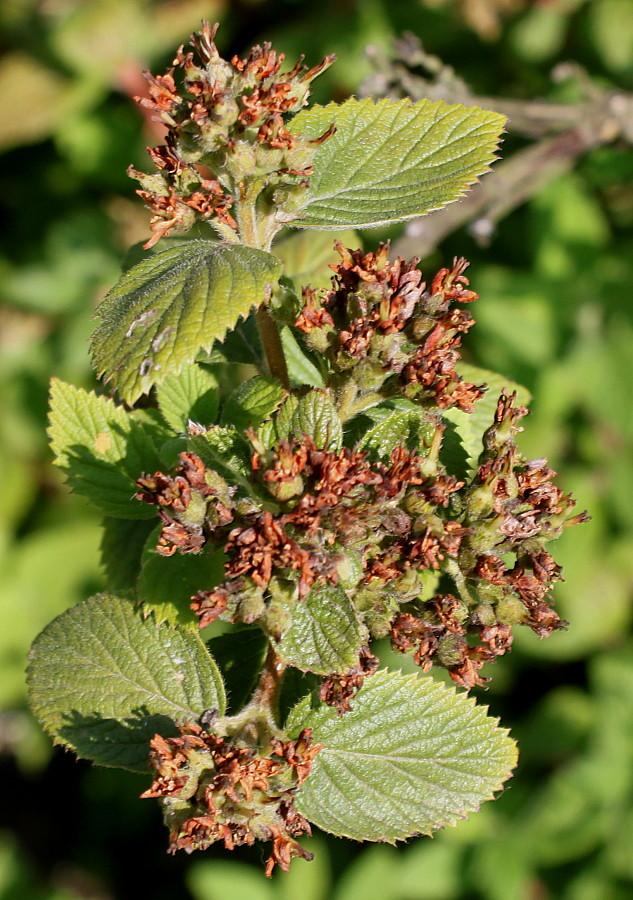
(103, 680)
(410, 757)
(392, 160)
(167, 308)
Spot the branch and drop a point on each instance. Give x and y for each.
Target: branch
(563, 133)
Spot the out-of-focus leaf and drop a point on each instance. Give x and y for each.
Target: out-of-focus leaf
(307, 255)
(33, 100)
(39, 578)
(471, 426)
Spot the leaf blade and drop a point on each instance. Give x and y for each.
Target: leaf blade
(402, 733)
(170, 306)
(102, 680)
(324, 635)
(392, 160)
(101, 448)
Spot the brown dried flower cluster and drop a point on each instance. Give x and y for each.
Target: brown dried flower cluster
(512, 507)
(223, 117)
(192, 500)
(332, 499)
(216, 790)
(339, 690)
(379, 320)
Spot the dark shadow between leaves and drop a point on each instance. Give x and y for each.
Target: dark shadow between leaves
(119, 743)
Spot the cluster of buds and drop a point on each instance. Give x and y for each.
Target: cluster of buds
(214, 789)
(226, 137)
(382, 327)
(389, 532)
(512, 508)
(191, 502)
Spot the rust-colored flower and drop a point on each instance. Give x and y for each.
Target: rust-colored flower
(216, 790)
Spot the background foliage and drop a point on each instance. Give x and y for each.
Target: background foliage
(555, 314)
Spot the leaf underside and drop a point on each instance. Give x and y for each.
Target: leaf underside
(410, 757)
(392, 160)
(103, 680)
(174, 304)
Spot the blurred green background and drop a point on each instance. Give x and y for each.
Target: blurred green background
(556, 313)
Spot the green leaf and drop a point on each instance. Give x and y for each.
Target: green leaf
(316, 416)
(301, 369)
(240, 656)
(166, 584)
(408, 426)
(410, 757)
(103, 680)
(241, 345)
(392, 160)
(306, 256)
(470, 427)
(324, 635)
(122, 543)
(190, 396)
(101, 448)
(252, 402)
(174, 304)
(225, 451)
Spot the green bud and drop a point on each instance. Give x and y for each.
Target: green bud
(510, 610)
(480, 501)
(196, 510)
(286, 490)
(240, 160)
(450, 650)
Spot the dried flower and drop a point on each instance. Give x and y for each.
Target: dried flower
(213, 789)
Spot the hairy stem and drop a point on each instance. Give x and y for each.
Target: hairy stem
(271, 340)
(249, 227)
(266, 693)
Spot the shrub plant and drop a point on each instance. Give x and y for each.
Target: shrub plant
(302, 467)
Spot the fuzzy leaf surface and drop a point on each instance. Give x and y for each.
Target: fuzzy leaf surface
(392, 160)
(101, 448)
(470, 427)
(314, 415)
(324, 635)
(252, 402)
(103, 680)
(190, 396)
(410, 757)
(167, 308)
(407, 425)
